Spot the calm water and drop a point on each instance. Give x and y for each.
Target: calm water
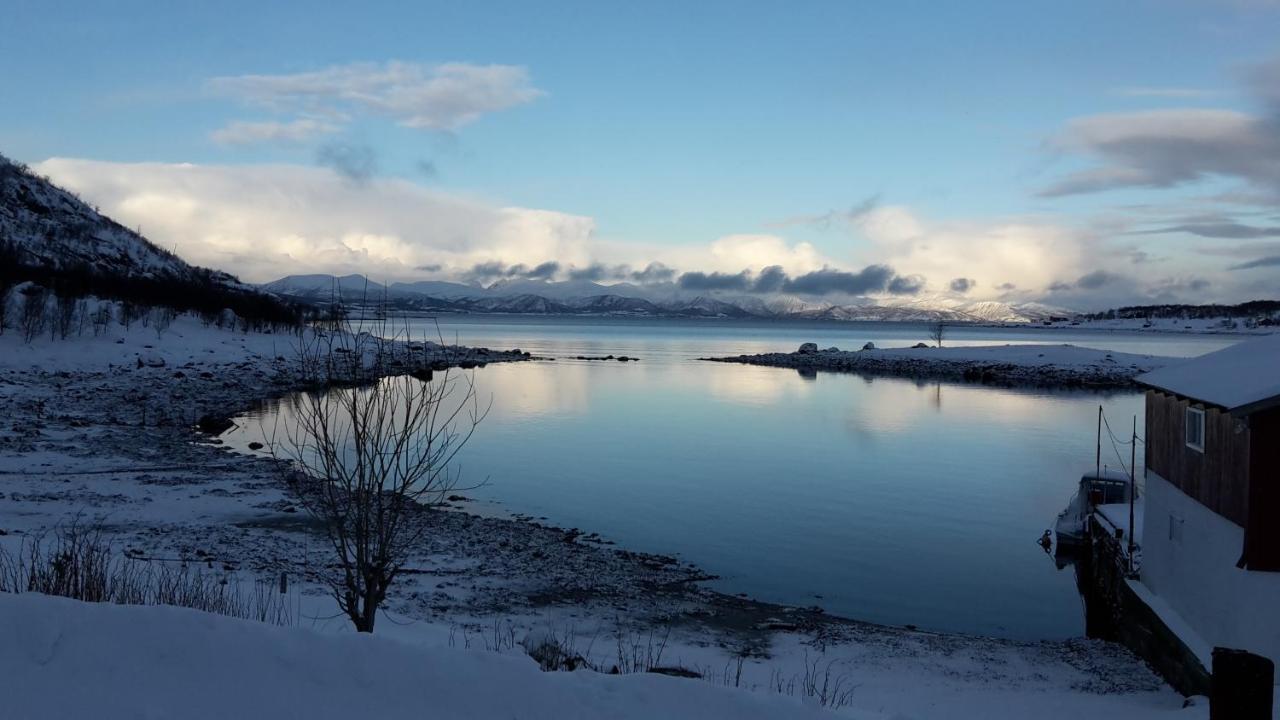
(885, 500)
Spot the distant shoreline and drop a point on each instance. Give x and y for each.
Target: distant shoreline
(1054, 366)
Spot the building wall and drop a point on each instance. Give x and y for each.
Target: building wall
(1217, 477)
(1195, 572)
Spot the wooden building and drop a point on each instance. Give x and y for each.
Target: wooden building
(1211, 507)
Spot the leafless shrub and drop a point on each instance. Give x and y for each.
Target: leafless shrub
(937, 331)
(101, 319)
(64, 317)
(368, 456)
(34, 309)
(80, 563)
(161, 319)
(819, 683)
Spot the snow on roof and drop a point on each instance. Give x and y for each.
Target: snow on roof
(1242, 375)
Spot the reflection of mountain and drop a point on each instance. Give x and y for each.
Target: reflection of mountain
(581, 297)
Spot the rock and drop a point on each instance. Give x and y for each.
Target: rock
(869, 346)
(808, 348)
(920, 345)
(832, 349)
(255, 446)
(150, 360)
(214, 425)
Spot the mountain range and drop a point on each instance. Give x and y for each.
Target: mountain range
(582, 297)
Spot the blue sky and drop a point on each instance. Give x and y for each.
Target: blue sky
(670, 127)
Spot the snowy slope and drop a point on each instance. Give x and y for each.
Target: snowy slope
(64, 659)
(53, 228)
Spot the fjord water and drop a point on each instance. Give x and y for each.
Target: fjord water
(887, 500)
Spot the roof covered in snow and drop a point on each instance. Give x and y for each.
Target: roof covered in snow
(1244, 376)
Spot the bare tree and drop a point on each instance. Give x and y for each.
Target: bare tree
(35, 305)
(370, 451)
(937, 331)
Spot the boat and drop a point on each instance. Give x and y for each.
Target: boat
(1097, 487)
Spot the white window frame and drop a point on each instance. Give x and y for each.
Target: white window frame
(1195, 415)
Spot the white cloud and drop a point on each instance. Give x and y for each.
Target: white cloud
(266, 221)
(1026, 252)
(434, 97)
(247, 133)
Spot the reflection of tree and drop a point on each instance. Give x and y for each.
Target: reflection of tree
(937, 396)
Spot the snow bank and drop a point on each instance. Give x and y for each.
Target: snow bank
(62, 658)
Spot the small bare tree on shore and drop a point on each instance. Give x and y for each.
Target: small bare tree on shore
(937, 331)
(370, 450)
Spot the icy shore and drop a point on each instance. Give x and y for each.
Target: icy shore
(1017, 365)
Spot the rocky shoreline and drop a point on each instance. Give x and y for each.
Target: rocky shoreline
(1046, 366)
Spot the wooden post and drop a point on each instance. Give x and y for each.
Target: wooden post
(1241, 686)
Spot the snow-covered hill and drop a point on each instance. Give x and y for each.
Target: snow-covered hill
(51, 238)
(53, 228)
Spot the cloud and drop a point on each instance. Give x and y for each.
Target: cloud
(1269, 261)
(426, 168)
(1097, 279)
(265, 221)
(771, 279)
(247, 133)
(1172, 147)
(1167, 148)
(906, 284)
(827, 220)
(434, 97)
(1227, 230)
(599, 271)
(1164, 92)
(356, 163)
(985, 252)
(497, 270)
(715, 281)
(964, 285)
(873, 278)
(654, 272)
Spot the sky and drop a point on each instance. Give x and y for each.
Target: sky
(1083, 154)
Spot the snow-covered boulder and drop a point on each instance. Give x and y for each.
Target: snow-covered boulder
(808, 348)
(150, 359)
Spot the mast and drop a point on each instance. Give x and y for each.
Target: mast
(1133, 483)
(1097, 458)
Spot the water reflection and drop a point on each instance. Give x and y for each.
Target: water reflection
(896, 501)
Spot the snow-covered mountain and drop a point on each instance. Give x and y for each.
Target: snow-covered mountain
(582, 297)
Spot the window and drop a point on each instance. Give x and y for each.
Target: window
(1195, 429)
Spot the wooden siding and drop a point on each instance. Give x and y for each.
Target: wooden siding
(1218, 477)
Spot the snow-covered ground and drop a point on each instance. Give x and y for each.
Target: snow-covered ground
(1041, 365)
(90, 430)
(1235, 326)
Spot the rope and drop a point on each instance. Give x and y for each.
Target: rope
(1115, 443)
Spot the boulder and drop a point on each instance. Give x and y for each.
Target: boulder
(150, 359)
(920, 345)
(808, 348)
(869, 346)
